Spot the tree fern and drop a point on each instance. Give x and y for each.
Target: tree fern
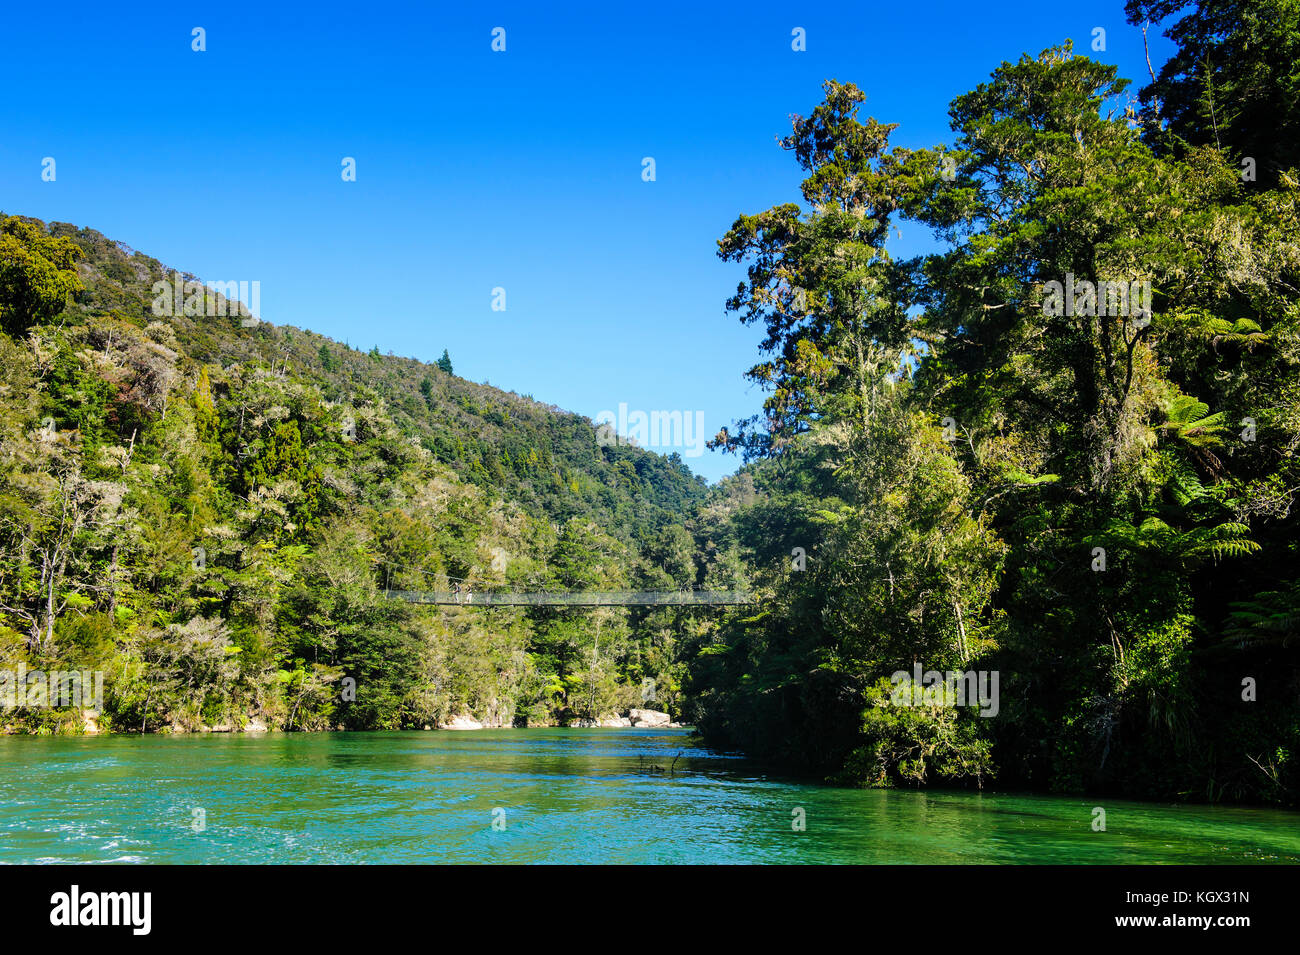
(1272, 618)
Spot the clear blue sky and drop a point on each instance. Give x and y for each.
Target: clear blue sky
(477, 169)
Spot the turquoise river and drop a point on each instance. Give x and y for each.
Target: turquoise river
(547, 795)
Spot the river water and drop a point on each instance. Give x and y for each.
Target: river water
(547, 795)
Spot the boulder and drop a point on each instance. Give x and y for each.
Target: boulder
(254, 725)
(461, 723)
(649, 718)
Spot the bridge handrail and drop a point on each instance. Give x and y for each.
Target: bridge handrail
(611, 598)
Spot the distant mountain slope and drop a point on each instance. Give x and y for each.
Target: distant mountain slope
(540, 456)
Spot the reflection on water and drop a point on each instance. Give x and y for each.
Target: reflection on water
(598, 795)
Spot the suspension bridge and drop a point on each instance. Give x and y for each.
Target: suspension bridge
(463, 594)
(594, 598)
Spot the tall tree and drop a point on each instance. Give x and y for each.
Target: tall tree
(1233, 82)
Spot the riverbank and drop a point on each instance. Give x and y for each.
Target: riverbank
(90, 723)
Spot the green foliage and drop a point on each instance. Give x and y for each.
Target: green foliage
(1098, 504)
(1231, 84)
(37, 274)
(914, 745)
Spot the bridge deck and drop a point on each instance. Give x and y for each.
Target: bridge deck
(610, 598)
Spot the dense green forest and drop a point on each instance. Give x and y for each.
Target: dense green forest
(1060, 448)
(990, 471)
(208, 509)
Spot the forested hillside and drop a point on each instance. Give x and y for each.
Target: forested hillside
(207, 508)
(991, 469)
